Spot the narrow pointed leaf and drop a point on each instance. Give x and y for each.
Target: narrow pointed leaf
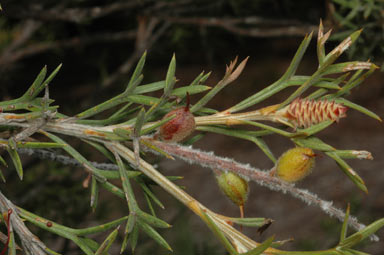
(149, 87)
(134, 237)
(358, 108)
(349, 171)
(250, 222)
(129, 195)
(140, 120)
(363, 234)
(354, 154)
(297, 58)
(170, 79)
(3, 162)
(181, 92)
(123, 133)
(152, 220)
(136, 74)
(218, 233)
(261, 247)
(16, 161)
(151, 232)
(76, 155)
(94, 193)
(344, 228)
(30, 93)
(313, 143)
(104, 247)
(150, 194)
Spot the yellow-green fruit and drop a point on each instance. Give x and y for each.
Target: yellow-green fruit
(234, 187)
(295, 164)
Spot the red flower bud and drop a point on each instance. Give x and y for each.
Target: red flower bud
(181, 126)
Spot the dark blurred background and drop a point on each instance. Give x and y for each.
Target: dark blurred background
(99, 42)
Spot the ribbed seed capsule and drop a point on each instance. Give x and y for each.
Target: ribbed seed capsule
(234, 187)
(178, 128)
(305, 112)
(295, 164)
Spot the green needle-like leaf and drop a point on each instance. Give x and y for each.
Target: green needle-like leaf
(181, 92)
(134, 237)
(358, 108)
(362, 234)
(16, 161)
(29, 94)
(261, 247)
(150, 194)
(94, 193)
(136, 75)
(344, 228)
(149, 87)
(218, 233)
(104, 247)
(152, 220)
(76, 155)
(250, 222)
(313, 143)
(349, 171)
(151, 232)
(170, 79)
(297, 58)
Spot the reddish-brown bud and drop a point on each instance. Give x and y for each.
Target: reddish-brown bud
(178, 128)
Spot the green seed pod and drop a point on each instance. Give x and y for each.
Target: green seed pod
(234, 187)
(295, 164)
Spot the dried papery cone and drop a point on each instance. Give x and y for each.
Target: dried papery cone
(234, 187)
(295, 164)
(180, 127)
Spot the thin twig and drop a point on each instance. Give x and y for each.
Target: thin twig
(145, 38)
(31, 244)
(267, 28)
(54, 156)
(263, 178)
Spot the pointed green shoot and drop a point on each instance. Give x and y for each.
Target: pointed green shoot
(136, 75)
(344, 228)
(170, 79)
